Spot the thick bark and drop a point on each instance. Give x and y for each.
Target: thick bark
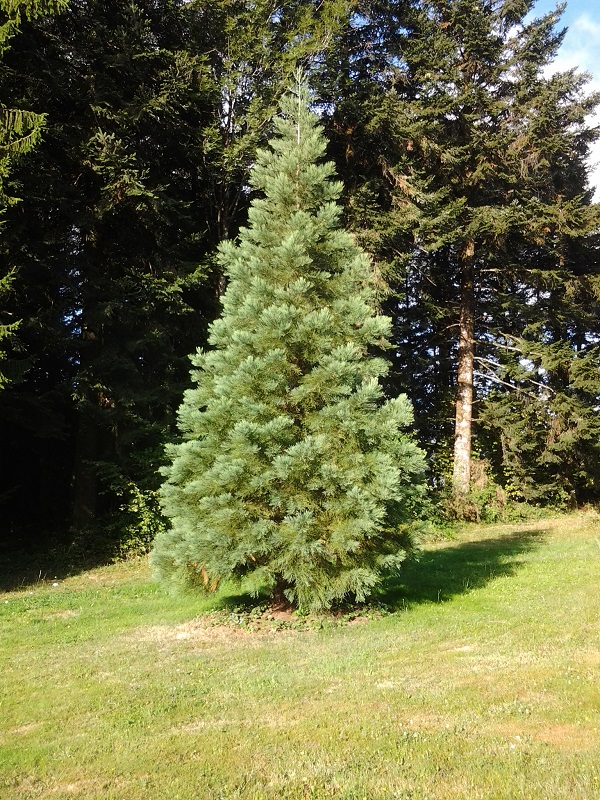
(464, 396)
(280, 601)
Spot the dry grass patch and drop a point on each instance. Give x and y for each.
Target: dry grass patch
(569, 737)
(20, 730)
(199, 631)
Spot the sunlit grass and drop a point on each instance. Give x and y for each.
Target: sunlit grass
(483, 683)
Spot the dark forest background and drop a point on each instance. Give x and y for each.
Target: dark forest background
(464, 164)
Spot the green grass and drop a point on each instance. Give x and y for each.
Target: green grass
(483, 683)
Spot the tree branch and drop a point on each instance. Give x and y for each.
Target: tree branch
(496, 379)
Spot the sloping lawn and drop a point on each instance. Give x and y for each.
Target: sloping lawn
(484, 682)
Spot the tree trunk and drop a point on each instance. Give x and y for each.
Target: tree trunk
(464, 396)
(85, 489)
(280, 601)
(84, 484)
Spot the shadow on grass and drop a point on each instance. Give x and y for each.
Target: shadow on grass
(20, 568)
(51, 556)
(438, 575)
(442, 573)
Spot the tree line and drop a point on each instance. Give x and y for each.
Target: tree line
(463, 160)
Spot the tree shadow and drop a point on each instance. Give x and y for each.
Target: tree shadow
(21, 567)
(50, 555)
(435, 576)
(439, 574)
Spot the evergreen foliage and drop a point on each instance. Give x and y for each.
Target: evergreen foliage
(466, 172)
(7, 333)
(107, 239)
(541, 423)
(294, 472)
(254, 51)
(450, 136)
(20, 131)
(154, 112)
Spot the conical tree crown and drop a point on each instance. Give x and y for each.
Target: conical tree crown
(294, 472)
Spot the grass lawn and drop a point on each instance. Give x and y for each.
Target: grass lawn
(483, 683)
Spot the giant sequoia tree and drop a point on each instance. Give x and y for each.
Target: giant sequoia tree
(294, 471)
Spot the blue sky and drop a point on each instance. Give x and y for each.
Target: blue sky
(581, 48)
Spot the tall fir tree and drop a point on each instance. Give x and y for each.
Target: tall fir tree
(20, 131)
(479, 176)
(256, 49)
(539, 417)
(294, 471)
(107, 239)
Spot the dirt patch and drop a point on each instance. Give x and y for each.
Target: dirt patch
(85, 787)
(388, 685)
(199, 725)
(82, 788)
(198, 632)
(248, 626)
(30, 787)
(283, 614)
(358, 620)
(454, 647)
(428, 723)
(69, 788)
(588, 658)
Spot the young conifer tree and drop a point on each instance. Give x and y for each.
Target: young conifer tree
(295, 472)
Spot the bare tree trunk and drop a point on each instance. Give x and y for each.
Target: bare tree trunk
(464, 397)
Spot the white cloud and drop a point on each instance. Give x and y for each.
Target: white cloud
(581, 48)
